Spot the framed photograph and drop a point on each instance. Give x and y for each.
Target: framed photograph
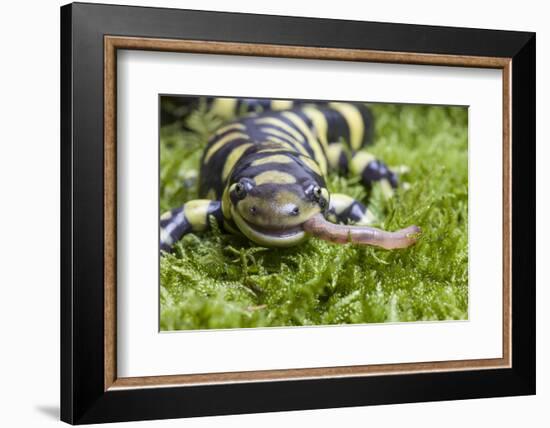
(265, 213)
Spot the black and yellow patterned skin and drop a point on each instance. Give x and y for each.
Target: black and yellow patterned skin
(263, 174)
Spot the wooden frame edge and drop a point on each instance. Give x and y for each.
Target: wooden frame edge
(109, 197)
(301, 52)
(112, 43)
(507, 213)
(299, 374)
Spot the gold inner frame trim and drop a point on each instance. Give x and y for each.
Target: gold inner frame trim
(113, 43)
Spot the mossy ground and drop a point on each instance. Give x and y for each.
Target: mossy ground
(222, 281)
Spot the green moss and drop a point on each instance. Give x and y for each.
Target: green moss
(223, 281)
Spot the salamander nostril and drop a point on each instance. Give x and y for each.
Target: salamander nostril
(253, 210)
(295, 211)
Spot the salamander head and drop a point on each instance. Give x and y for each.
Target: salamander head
(269, 201)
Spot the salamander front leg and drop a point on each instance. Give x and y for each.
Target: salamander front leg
(373, 172)
(347, 210)
(193, 216)
(362, 164)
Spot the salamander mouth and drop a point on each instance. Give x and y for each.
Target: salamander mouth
(275, 231)
(269, 236)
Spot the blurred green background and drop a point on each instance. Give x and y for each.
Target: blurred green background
(220, 281)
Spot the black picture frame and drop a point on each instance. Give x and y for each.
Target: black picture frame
(83, 396)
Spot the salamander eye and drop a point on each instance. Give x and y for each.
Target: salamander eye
(240, 191)
(317, 193)
(242, 188)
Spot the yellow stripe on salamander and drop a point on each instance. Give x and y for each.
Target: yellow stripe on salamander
(311, 164)
(224, 107)
(319, 122)
(360, 161)
(272, 159)
(281, 104)
(355, 122)
(232, 126)
(275, 133)
(341, 202)
(280, 124)
(271, 131)
(333, 154)
(196, 213)
(233, 158)
(284, 144)
(221, 142)
(312, 140)
(226, 204)
(274, 177)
